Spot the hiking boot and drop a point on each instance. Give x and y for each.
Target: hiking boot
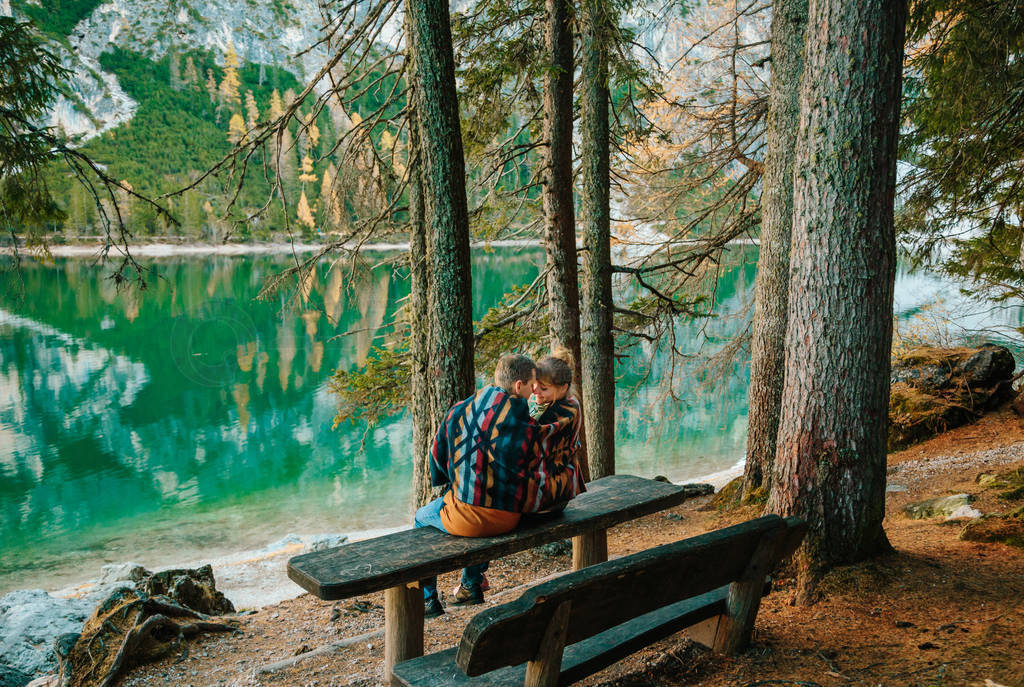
(484, 586)
(468, 596)
(433, 608)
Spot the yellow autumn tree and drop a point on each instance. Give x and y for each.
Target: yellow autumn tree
(276, 106)
(331, 206)
(230, 83)
(312, 131)
(252, 113)
(308, 175)
(305, 214)
(236, 129)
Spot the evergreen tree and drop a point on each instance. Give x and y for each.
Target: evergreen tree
(767, 365)
(597, 345)
(831, 457)
(450, 354)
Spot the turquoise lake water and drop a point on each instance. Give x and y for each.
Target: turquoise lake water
(189, 420)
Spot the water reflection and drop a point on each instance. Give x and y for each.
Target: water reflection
(188, 419)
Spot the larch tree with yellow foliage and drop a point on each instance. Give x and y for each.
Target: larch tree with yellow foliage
(305, 213)
(230, 83)
(276, 106)
(236, 129)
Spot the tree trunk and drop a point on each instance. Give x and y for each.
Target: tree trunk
(831, 453)
(442, 171)
(771, 294)
(559, 212)
(597, 346)
(419, 314)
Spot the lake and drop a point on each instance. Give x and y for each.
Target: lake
(189, 420)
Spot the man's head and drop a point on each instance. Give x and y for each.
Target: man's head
(515, 374)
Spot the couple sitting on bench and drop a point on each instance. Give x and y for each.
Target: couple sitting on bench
(502, 454)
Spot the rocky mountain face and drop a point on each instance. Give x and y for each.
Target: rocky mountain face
(272, 32)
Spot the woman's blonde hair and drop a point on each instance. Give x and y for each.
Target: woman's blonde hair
(556, 368)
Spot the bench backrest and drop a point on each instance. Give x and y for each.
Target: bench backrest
(608, 594)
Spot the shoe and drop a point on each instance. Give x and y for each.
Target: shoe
(433, 608)
(484, 586)
(468, 596)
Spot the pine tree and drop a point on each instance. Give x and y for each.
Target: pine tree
(831, 452)
(276, 106)
(229, 85)
(236, 129)
(313, 132)
(252, 113)
(305, 215)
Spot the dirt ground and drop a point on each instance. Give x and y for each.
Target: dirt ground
(939, 611)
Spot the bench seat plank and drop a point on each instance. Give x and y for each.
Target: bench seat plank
(411, 555)
(579, 660)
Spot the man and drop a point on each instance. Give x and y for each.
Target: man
(483, 454)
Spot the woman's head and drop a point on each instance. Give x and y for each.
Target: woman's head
(554, 376)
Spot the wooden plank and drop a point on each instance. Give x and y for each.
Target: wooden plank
(544, 668)
(578, 660)
(608, 594)
(403, 626)
(416, 554)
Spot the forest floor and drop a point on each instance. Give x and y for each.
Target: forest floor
(937, 611)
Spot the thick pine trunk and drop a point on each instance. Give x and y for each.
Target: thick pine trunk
(597, 347)
(559, 212)
(831, 453)
(771, 300)
(419, 314)
(445, 214)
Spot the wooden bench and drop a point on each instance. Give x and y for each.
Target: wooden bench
(564, 630)
(398, 562)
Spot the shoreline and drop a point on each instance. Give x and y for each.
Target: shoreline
(158, 249)
(256, 578)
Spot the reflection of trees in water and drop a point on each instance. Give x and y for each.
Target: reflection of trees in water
(109, 428)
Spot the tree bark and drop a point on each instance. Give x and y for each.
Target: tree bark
(419, 313)
(559, 211)
(831, 452)
(597, 346)
(445, 213)
(771, 292)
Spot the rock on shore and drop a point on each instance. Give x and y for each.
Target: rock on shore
(30, 619)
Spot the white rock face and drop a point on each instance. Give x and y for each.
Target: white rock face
(269, 32)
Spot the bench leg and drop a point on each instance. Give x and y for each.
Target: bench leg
(744, 599)
(589, 548)
(546, 666)
(403, 627)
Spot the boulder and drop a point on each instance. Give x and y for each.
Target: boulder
(122, 572)
(936, 389)
(30, 620)
(943, 506)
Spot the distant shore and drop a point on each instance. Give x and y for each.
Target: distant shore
(92, 247)
(161, 249)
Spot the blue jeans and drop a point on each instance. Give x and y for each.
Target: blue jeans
(430, 516)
